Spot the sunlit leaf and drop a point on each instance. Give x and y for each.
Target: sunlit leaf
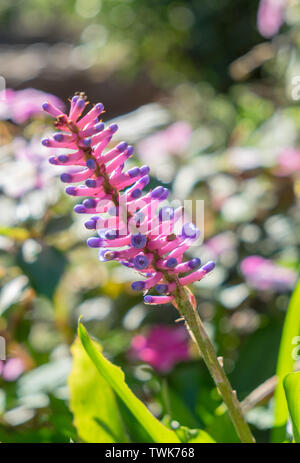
(92, 401)
(115, 378)
(15, 233)
(201, 437)
(292, 390)
(285, 364)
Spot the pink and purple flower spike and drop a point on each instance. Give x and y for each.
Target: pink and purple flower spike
(132, 226)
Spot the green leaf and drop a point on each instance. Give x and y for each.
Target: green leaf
(45, 271)
(116, 380)
(285, 364)
(92, 401)
(291, 385)
(202, 437)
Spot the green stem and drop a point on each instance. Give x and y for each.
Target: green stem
(215, 367)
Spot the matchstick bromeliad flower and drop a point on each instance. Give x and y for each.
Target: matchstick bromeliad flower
(143, 232)
(133, 227)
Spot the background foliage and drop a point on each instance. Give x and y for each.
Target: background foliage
(204, 67)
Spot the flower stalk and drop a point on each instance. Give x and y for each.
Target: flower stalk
(199, 335)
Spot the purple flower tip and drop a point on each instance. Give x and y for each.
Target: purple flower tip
(194, 263)
(45, 142)
(94, 242)
(90, 224)
(87, 141)
(165, 194)
(91, 164)
(171, 263)
(99, 107)
(141, 262)
(130, 151)
(148, 299)
(122, 146)
(79, 209)
(81, 103)
(137, 285)
(65, 177)
(144, 170)
(45, 106)
(161, 289)
(133, 172)
(63, 158)
(111, 234)
(99, 127)
(89, 203)
(90, 183)
(157, 192)
(138, 240)
(70, 190)
(166, 213)
(189, 230)
(145, 180)
(113, 128)
(209, 266)
(53, 160)
(75, 98)
(58, 137)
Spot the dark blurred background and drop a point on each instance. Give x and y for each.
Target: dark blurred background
(126, 52)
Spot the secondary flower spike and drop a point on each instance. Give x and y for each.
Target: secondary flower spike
(132, 225)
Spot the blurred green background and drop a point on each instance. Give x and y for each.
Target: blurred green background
(200, 72)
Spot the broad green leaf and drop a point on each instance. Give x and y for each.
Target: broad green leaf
(292, 390)
(116, 380)
(92, 401)
(285, 364)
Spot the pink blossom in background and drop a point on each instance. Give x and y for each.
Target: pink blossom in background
(263, 274)
(21, 105)
(171, 141)
(288, 161)
(221, 243)
(162, 348)
(11, 369)
(270, 17)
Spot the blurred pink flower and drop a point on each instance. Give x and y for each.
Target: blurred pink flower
(11, 369)
(221, 243)
(21, 105)
(163, 347)
(288, 161)
(171, 141)
(270, 17)
(263, 274)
